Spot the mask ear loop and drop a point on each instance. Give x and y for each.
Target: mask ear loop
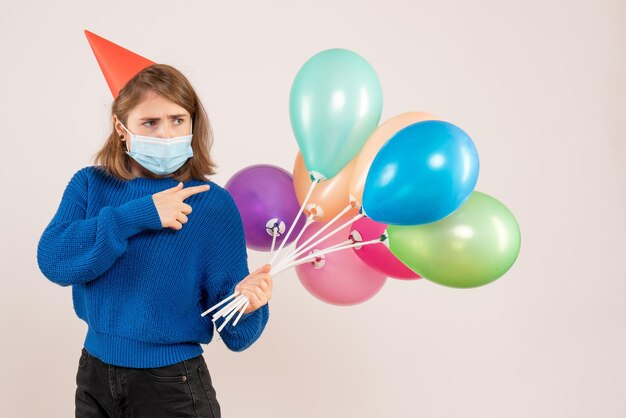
(125, 145)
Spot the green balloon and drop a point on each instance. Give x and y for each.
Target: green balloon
(471, 247)
(334, 105)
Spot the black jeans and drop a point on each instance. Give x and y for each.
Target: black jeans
(180, 390)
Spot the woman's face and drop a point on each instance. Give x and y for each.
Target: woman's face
(154, 116)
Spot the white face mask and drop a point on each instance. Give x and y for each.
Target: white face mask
(160, 155)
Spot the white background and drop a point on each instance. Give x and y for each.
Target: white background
(540, 86)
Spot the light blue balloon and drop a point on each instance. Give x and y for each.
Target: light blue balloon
(334, 105)
(421, 175)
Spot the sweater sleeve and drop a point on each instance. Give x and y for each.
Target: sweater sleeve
(73, 249)
(230, 266)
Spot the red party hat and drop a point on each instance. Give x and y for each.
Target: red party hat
(117, 64)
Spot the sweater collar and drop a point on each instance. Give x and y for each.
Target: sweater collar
(153, 185)
(147, 184)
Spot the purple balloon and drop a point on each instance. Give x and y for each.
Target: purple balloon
(265, 197)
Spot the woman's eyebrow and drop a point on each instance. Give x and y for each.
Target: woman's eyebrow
(158, 118)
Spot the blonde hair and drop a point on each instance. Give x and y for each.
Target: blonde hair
(170, 83)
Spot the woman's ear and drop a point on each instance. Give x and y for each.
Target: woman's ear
(118, 128)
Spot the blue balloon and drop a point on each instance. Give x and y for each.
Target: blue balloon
(421, 175)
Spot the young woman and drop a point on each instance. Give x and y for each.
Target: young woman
(148, 243)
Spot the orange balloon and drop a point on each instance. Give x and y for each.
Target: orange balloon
(329, 196)
(374, 143)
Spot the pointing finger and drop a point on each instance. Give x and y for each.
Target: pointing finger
(189, 191)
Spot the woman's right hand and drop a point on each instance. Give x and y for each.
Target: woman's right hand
(169, 203)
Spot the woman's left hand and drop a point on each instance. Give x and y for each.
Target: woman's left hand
(257, 286)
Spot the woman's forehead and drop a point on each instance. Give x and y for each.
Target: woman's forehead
(155, 105)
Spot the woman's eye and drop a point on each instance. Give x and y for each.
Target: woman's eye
(147, 122)
(180, 121)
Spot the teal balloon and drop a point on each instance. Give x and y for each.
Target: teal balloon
(472, 247)
(334, 105)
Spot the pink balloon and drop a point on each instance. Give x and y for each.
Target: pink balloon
(341, 278)
(378, 256)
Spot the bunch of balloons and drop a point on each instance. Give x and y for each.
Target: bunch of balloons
(407, 184)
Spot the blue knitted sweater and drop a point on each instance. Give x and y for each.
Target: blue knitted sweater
(140, 287)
